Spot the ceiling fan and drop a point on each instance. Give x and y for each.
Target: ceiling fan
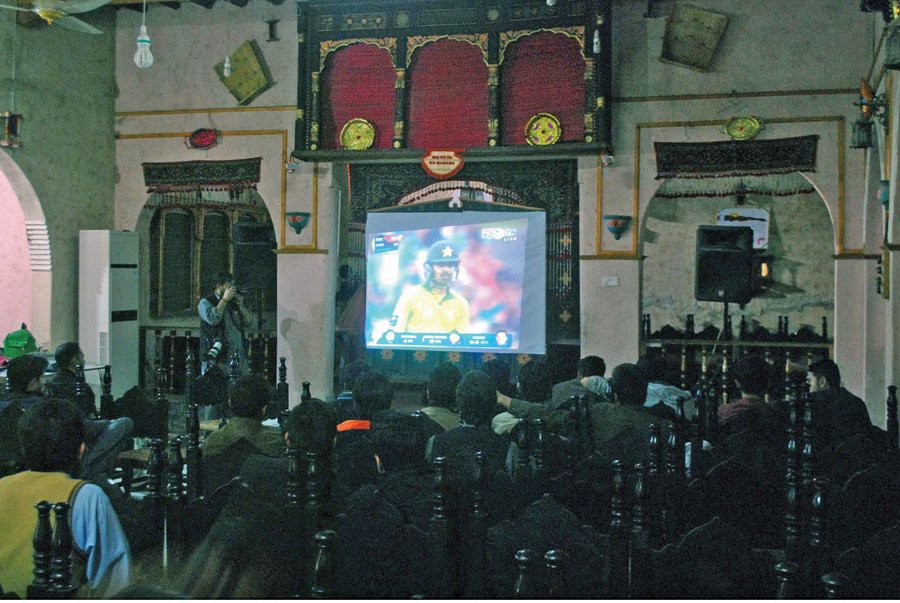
(61, 11)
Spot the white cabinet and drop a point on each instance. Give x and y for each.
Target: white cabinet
(108, 304)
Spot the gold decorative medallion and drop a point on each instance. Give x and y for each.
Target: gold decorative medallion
(357, 134)
(543, 129)
(742, 128)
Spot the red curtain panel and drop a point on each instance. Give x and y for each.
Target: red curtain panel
(358, 81)
(542, 73)
(448, 97)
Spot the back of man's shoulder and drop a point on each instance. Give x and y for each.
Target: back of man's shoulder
(563, 392)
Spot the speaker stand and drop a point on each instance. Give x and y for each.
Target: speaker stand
(726, 324)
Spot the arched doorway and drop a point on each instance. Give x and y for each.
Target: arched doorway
(25, 276)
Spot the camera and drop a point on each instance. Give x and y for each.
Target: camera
(213, 352)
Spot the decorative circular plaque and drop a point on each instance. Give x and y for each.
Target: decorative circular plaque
(742, 128)
(543, 129)
(357, 134)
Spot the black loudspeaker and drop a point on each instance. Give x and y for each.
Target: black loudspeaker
(724, 264)
(254, 263)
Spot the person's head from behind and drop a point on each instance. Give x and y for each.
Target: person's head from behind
(657, 368)
(535, 381)
(311, 426)
(823, 375)
(354, 371)
(442, 385)
(751, 375)
(629, 385)
(24, 373)
(476, 398)
(499, 372)
(51, 436)
(441, 264)
(250, 396)
(372, 393)
(69, 356)
(591, 366)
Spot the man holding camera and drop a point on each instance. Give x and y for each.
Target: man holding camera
(222, 321)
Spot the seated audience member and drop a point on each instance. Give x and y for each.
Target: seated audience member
(476, 398)
(535, 383)
(311, 426)
(750, 411)
(373, 395)
(248, 401)
(499, 372)
(661, 375)
(590, 369)
(627, 411)
(441, 395)
(51, 433)
(104, 439)
(750, 430)
(64, 383)
(848, 413)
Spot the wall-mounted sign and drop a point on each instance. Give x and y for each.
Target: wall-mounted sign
(754, 217)
(442, 164)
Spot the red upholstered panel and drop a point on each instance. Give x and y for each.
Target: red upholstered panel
(448, 97)
(542, 73)
(358, 81)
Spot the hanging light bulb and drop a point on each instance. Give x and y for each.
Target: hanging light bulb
(143, 58)
(226, 68)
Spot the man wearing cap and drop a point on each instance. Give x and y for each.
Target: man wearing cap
(432, 307)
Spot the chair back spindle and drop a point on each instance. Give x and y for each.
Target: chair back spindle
(324, 585)
(61, 583)
(43, 552)
(194, 454)
(617, 559)
(893, 426)
(475, 547)
(442, 566)
(524, 587)
(553, 558)
(106, 397)
(640, 534)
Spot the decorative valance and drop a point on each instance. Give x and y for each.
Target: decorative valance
(774, 185)
(735, 158)
(233, 175)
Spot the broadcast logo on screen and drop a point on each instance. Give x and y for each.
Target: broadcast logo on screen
(500, 234)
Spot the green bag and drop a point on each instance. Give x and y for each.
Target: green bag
(18, 343)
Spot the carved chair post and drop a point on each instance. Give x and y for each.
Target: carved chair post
(617, 559)
(697, 455)
(525, 587)
(106, 397)
(175, 525)
(282, 387)
(788, 576)
(443, 563)
(640, 534)
(475, 547)
(314, 492)
(893, 426)
(170, 359)
(324, 585)
(43, 552)
(194, 454)
(553, 558)
(818, 551)
(61, 585)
